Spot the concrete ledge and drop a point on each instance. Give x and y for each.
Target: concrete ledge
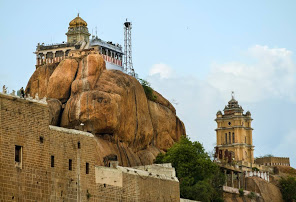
(27, 100)
(70, 131)
(236, 191)
(146, 174)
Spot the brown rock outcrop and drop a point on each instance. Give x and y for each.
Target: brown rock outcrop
(55, 107)
(90, 69)
(268, 192)
(110, 104)
(59, 85)
(39, 80)
(161, 100)
(117, 107)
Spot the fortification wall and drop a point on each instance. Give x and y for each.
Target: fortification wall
(272, 161)
(39, 162)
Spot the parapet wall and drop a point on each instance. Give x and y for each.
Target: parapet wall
(48, 163)
(273, 161)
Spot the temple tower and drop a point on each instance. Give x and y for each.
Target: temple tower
(234, 134)
(77, 31)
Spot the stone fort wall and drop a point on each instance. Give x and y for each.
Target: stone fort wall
(273, 161)
(39, 162)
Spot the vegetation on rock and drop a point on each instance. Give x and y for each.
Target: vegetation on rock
(200, 178)
(148, 90)
(288, 188)
(241, 192)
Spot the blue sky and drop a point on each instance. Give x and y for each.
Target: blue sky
(193, 52)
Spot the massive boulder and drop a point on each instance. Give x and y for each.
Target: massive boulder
(117, 106)
(55, 107)
(39, 80)
(59, 85)
(111, 105)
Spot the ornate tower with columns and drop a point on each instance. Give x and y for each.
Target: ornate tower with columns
(234, 134)
(77, 31)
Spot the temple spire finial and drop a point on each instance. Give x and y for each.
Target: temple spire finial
(232, 94)
(78, 14)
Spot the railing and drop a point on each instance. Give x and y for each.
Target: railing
(262, 175)
(59, 59)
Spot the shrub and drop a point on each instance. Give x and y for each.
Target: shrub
(148, 90)
(241, 192)
(252, 195)
(288, 188)
(255, 169)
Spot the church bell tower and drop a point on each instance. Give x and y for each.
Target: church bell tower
(234, 134)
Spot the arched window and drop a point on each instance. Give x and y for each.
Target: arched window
(229, 137)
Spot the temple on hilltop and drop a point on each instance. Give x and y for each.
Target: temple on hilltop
(234, 134)
(78, 39)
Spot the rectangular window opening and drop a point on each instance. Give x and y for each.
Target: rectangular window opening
(52, 161)
(18, 154)
(225, 138)
(70, 164)
(87, 168)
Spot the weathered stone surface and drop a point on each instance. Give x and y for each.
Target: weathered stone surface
(167, 126)
(110, 104)
(117, 107)
(39, 80)
(59, 85)
(161, 100)
(268, 192)
(90, 69)
(55, 107)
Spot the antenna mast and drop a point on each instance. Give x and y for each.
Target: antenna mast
(128, 63)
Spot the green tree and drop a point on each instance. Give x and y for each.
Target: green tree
(200, 178)
(288, 188)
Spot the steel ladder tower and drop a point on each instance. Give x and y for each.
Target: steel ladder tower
(128, 62)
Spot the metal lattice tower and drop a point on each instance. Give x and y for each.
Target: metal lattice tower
(128, 62)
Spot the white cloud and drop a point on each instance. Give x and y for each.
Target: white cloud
(163, 70)
(267, 76)
(271, 75)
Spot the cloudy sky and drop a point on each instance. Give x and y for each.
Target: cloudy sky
(193, 52)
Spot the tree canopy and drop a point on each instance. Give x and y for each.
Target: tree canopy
(288, 188)
(200, 178)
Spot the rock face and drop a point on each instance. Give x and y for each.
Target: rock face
(110, 104)
(60, 81)
(268, 192)
(55, 107)
(39, 80)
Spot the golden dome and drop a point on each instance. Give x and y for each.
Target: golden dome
(77, 22)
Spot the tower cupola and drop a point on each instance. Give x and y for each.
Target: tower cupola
(77, 31)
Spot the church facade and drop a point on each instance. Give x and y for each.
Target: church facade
(234, 134)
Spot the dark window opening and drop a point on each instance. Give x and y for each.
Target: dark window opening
(233, 140)
(78, 145)
(18, 153)
(70, 164)
(225, 138)
(229, 137)
(87, 168)
(41, 139)
(52, 161)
